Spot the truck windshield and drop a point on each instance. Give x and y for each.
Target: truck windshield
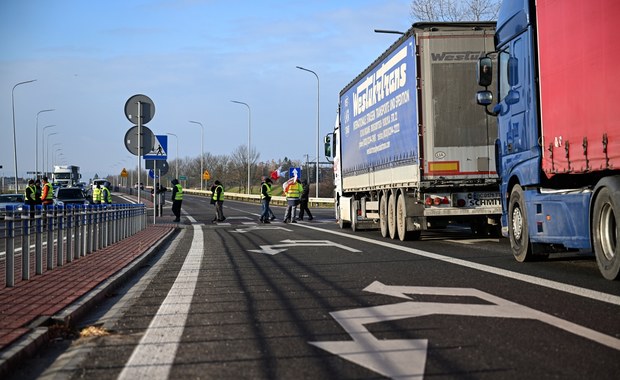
(62, 175)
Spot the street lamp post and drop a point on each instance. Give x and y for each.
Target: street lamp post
(14, 134)
(36, 144)
(202, 149)
(318, 124)
(177, 159)
(249, 137)
(46, 154)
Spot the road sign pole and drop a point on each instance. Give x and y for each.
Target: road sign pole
(139, 147)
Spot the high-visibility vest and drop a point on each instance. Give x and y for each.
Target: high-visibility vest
(33, 193)
(106, 196)
(97, 194)
(179, 194)
(215, 197)
(268, 186)
(294, 191)
(50, 192)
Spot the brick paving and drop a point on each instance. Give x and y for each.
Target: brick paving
(47, 294)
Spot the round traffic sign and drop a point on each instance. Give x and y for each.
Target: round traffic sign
(132, 138)
(139, 105)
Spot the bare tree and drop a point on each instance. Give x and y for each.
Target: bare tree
(454, 10)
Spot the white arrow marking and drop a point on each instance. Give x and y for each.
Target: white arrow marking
(255, 228)
(277, 248)
(407, 358)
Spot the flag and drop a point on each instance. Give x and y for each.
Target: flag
(276, 174)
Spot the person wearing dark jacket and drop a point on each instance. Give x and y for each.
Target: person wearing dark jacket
(218, 199)
(177, 199)
(303, 201)
(265, 195)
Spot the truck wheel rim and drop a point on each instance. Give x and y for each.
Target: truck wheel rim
(608, 230)
(517, 223)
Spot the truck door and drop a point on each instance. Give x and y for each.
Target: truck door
(517, 128)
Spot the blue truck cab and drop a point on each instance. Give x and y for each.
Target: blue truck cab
(559, 187)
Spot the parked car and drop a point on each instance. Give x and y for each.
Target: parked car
(15, 200)
(69, 196)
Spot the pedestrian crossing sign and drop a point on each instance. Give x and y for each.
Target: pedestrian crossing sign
(160, 149)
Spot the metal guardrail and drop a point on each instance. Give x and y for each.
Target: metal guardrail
(255, 198)
(59, 235)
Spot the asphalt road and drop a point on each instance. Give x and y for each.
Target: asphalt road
(310, 301)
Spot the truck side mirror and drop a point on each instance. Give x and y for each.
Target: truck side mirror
(485, 71)
(328, 145)
(484, 98)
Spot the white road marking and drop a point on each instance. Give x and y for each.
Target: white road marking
(406, 358)
(154, 356)
(274, 249)
(566, 288)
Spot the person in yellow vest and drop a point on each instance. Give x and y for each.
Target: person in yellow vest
(106, 195)
(97, 194)
(218, 199)
(177, 199)
(265, 198)
(30, 197)
(293, 193)
(47, 193)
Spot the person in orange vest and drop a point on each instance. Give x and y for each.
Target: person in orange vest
(47, 193)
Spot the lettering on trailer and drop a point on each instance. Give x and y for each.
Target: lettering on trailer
(378, 113)
(450, 56)
(406, 358)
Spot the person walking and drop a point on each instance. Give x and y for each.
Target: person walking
(265, 195)
(47, 193)
(30, 197)
(303, 201)
(293, 193)
(218, 199)
(106, 196)
(177, 199)
(97, 194)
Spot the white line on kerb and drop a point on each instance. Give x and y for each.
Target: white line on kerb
(588, 293)
(154, 355)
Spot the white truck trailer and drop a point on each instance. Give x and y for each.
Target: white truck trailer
(411, 148)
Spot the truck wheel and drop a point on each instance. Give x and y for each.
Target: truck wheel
(517, 225)
(605, 225)
(354, 216)
(401, 222)
(383, 218)
(391, 217)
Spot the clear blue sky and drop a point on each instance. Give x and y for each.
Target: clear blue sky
(191, 57)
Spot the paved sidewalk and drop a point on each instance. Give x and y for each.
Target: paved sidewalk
(65, 293)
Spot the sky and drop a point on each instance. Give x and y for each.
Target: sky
(191, 58)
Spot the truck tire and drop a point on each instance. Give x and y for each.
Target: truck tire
(354, 207)
(383, 218)
(391, 216)
(605, 225)
(518, 227)
(401, 222)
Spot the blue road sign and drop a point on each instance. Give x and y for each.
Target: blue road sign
(292, 172)
(160, 149)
